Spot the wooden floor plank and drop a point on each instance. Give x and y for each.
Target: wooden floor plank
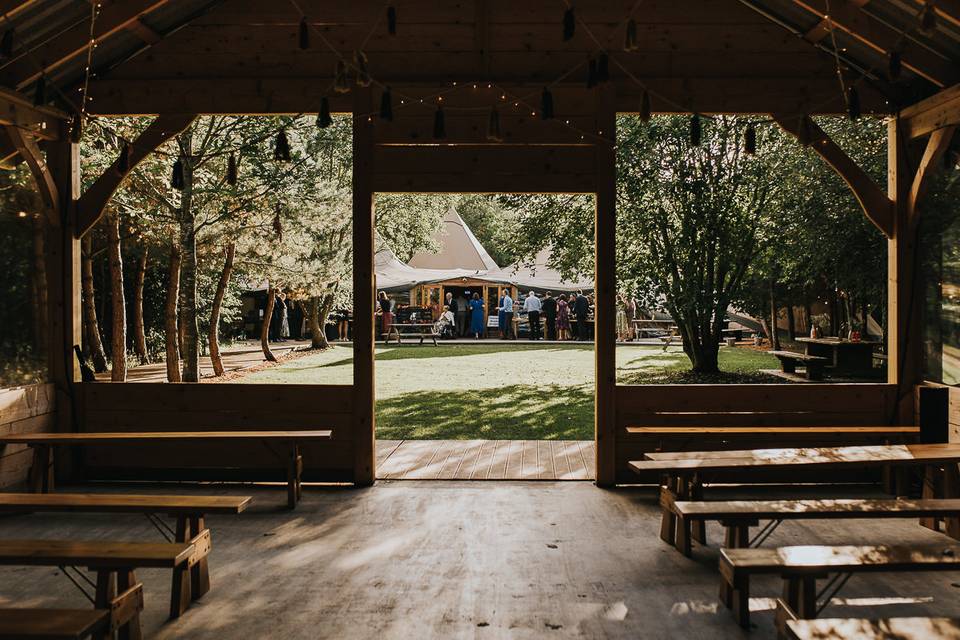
(570, 450)
(470, 457)
(429, 462)
(457, 449)
(529, 469)
(498, 462)
(514, 467)
(385, 449)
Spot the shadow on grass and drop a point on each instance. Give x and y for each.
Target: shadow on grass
(516, 412)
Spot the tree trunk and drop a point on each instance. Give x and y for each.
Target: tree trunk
(791, 323)
(91, 324)
(171, 333)
(118, 348)
(139, 331)
(39, 285)
(190, 352)
(774, 334)
(265, 329)
(807, 316)
(318, 337)
(214, 333)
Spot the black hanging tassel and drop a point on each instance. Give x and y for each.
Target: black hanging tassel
(895, 65)
(323, 117)
(281, 147)
(569, 24)
(696, 130)
(40, 92)
(76, 128)
(603, 68)
(439, 125)
(304, 35)
(546, 104)
(750, 139)
(630, 37)
(591, 74)
(392, 20)
(123, 162)
(853, 103)
(232, 172)
(928, 18)
(645, 107)
(493, 126)
(386, 106)
(6, 44)
(176, 178)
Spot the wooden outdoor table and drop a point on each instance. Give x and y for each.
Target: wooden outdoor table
(846, 357)
(41, 473)
(420, 330)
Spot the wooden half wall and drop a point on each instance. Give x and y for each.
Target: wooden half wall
(24, 409)
(741, 406)
(212, 407)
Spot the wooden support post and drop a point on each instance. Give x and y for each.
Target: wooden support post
(364, 428)
(606, 283)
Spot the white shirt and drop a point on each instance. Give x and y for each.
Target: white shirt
(532, 303)
(507, 304)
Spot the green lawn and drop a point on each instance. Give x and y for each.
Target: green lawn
(497, 391)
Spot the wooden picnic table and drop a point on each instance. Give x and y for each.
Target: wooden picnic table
(41, 473)
(415, 329)
(846, 357)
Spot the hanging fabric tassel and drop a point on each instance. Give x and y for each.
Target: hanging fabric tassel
(392, 20)
(805, 135)
(281, 147)
(645, 107)
(928, 18)
(123, 162)
(895, 64)
(603, 68)
(630, 37)
(324, 119)
(363, 74)
(277, 224)
(696, 130)
(341, 84)
(176, 177)
(853, 103)
(386, 106)
(40, 92)
(546, 104)
(76, 128)
(493, 126)
(304, 35)
(439, 125)
(6, 44)
(750, 140)
(569, 24)
(591, 74)
(232, 170)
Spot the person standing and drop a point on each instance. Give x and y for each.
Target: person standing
(386, 310)
(506, 329)
(581, 308)
(463, 313)
(563, 318)
(532, 306)
(549, 311)
(284, 318)
(451, 305)
(476, 316)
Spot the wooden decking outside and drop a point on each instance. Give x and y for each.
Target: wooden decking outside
(485, 459)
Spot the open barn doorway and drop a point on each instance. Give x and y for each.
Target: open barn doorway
(484, 338)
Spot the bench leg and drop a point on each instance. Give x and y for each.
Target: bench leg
(736, 535)
(200, 572)
(668, 519)
(41, 471)
(180, 591)
(814, 371)
(684, 534)
(700, 526)
(930, 491)
(130, 603)
(105, 594)
(740, 601)
(294, 471)
(788, 366)
(951, 489)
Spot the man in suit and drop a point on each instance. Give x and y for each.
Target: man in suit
(451, 305)
(581, 309)
(549, 305)
(463, 310)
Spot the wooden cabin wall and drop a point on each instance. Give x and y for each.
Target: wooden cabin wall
(741, 405)
(212, 407)
(954, 414)
(24, 409)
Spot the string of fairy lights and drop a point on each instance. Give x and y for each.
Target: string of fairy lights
(354, 70)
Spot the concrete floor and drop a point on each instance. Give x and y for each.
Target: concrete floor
(439, 559)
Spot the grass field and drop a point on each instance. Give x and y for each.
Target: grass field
(497, 391)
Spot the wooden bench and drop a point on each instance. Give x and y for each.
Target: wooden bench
(53, 624)
(117, 590)
(41, 473)
(738, 516)
(885, 629)
(801, 567)
(189, 582)
(814, 365)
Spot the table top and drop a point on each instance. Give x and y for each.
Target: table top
(838, 342)
(122, 503)
(141, 437)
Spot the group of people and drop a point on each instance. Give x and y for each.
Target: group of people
(560, 315)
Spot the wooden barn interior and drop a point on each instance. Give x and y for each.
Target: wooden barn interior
(360, 558)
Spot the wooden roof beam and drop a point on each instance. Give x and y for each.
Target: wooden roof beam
(937, 145)
(874, 201)
(937, 111)
(13, 8)
(947, 10)
(27, 147)
(91, 204)
(849, 16)
(114, 17)
(18, 111)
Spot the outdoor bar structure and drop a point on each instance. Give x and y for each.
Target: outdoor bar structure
(175, 60)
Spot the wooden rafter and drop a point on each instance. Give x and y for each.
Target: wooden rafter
(91, 204)
(144, 32)
(17, 110)
(27, 147)
(875, 203)
(113, 18)
(12, 8)
(947, 10)
(937, 111)
(849, 16)
(937, 145)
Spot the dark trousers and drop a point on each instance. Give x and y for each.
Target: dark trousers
(461, 323)
(551, 326)
(582, 332)
(534, 318)
(506, 331)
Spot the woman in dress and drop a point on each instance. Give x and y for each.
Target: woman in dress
(386, 308)
(476, 316)
(563, 318)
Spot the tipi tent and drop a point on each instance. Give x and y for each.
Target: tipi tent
(459, 249)
(537, 275)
